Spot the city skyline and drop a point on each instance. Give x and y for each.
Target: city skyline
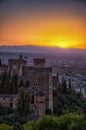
(43, 23)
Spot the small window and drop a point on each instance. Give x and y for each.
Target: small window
(4, 98)
(11, 104)
(11, 99)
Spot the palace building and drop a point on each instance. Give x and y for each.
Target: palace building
(40, 83)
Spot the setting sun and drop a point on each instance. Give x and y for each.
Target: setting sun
(63, 44)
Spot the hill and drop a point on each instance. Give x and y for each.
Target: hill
(68, 101)
(41, 49)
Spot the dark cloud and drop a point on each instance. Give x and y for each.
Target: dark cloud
(12, 6)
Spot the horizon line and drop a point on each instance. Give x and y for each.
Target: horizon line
(43, 46)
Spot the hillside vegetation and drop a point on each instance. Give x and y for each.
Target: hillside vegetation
(67, 100)
(64, 122)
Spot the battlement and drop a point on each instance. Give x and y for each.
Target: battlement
(15, 65)
(39, 62)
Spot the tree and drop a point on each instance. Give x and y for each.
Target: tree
(27, 84)
(23, 104)
(57, 77)
(0, 62)
(29, 125)
(64, 85)
(48, 111)
(21, 84)
(68, 101)
(46, 123)
(14, 84)
(69, 83)
(71, 121)
(8, 84)
(9, 73)
(5, 127)
(4, 83)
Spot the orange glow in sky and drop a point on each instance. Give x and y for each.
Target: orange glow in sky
(44, 29)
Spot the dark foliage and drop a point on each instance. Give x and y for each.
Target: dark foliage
(6, 111)
(10, 121)
(68, 101)
(8, 85)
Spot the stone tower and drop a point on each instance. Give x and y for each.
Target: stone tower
(40, 78)
(15, 65)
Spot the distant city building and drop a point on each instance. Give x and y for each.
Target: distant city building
(3, 68)
(78, 82)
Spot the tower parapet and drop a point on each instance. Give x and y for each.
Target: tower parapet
(39, 62)
(15, 65)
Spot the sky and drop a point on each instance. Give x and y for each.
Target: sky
(59, 23)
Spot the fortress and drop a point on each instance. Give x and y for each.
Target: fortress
(40, 82)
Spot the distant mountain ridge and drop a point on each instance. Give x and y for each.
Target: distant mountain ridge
(41, 49)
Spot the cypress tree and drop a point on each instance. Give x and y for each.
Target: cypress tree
(23, 104)
(64, 85)
(69, 83)
(27, 84)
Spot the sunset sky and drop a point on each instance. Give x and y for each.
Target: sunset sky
(60, 23)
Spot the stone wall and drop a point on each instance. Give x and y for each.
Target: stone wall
(8, 100)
